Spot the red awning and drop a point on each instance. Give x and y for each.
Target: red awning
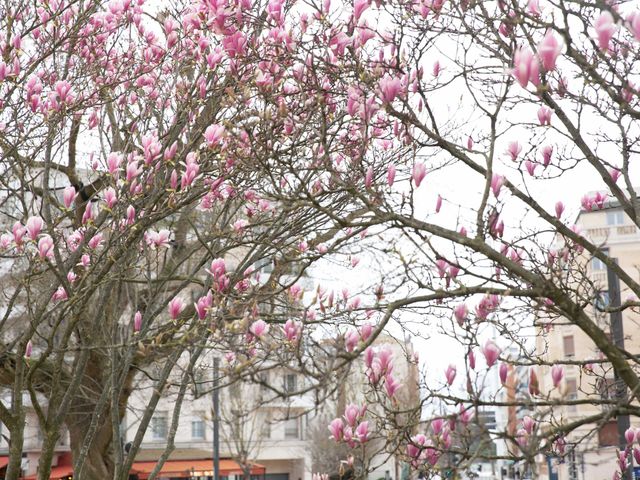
(4, 461)
(188, 468)
(57, 473)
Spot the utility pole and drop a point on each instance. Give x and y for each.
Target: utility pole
(216, 419)
(617, 334)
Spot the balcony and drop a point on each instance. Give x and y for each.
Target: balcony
(613, 234)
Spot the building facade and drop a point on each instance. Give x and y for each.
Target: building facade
(592, 450)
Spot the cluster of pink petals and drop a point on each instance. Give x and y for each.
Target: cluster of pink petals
(491, 352)
(353, 337)
(605, 28)
(292, 330)
(594, 201)
(354, 429)
(460, 313)
(557, 374)
(158, 238)
(379, 368)
(447, 271)
(487, 305)
(259, 328)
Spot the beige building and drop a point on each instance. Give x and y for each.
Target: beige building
(594, 455)
(274, 433)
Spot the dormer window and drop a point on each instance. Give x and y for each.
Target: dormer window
(615, 217)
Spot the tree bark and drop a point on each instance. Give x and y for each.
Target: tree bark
(98, 463)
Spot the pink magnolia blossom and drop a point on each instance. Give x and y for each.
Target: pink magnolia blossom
(531, 167)
(110, 197)
(259, 328)
(68, 196)
(88, 214)
(450, 374)
(438, 204)
(213, 135)
(362, 432)
(390, 88)
(175, 307)
(559, 209)
(28, 349)
(460, 313)
(336, 427)
(605, 28)
(614, 173)
(114, 160)
(45, 247)
(158, 239)
(292, 330)
(351, 339)
(137, 322)
(633, 24)
(365, 331)
(34, 227)
(352, 414)
(496, 184)
(96, 241)
(525, 67)
(630, 435)
(368, 179)
(533, 7)
(359, 6)
(203, 305)
(503, 371)
(557, 374)
(548, 50)
(547, 151)
(391, 174)
(391, 385)
(544, 115)
(59, 294)
(491, 352)
(419, 172)
(513, 150)
(217, 268)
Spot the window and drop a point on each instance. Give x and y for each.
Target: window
(602, 300)
(197, 428)
(264, 381)
(159, 426)
(290, 383)
(608, 434)
(572, 393)
(569, 346)
(572, 389)
(597, 264)
(291, 429)
(615, 217)
(266, 428)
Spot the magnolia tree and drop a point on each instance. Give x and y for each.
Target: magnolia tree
(155, 156)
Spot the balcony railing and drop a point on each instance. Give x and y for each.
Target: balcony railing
(620, 233)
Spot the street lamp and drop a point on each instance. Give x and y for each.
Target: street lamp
(216, 419)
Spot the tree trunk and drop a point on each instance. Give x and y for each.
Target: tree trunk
(98, 461)
(14, 470)
(46, 454)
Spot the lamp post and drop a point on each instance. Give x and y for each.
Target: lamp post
(617, 334)
(216, 419)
